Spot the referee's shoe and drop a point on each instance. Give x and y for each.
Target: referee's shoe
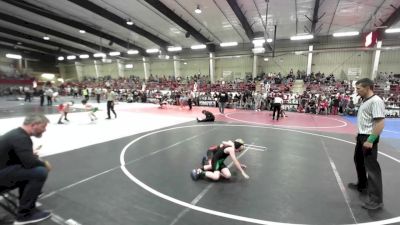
(355, 186)
(372, 205)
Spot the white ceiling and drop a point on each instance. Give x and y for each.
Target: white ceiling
(217, 22)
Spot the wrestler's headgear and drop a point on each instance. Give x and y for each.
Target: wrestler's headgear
(238, 143)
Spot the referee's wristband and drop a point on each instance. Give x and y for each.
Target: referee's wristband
(372, 138)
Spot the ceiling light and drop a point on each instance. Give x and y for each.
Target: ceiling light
(258, 50)
(114, 53)
(392, 30)
(346, 34)
(258, 41)
(85, 56)
(185, 63)
(99, 55)
(197, 10)
(302, 37)
(46, 38)
(198, 47)
(269, 40)
(129, 66)
(60, 58)
(19, 43)
(266, 59)
(167, 57)
(60, 80)
(49, 76)
(228, 44)
(129, 22)
(153, 50)
(13, 56)
(71, 57)
(132, 52)
(82, 31)
(174, 49)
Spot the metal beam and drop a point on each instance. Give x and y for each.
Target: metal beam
(48, 31)
(40, 40)
(242, 18)
(333, 17)
(28, 45)
(392, 19)
(120, 21)
(73, 23)
(370, 18)
(157, 4)
(315, 16)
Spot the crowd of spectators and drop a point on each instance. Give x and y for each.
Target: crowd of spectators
(323, 94)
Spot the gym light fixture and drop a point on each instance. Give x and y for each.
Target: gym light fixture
(174, 49)
(99, 55)
(228, 44)
(46, 37)
(346, 34)
(129, 66)
(197, 10)
(13, 56)
(82, 31)
(258, 42)
(302, 37)
(153, 50)
(132, 52)
(60, 58)
(129, 22)
(114, 53)
(269, 40)
(194, 47)
(258, 50)
(71, 57)
(85, 56)
(392, 30)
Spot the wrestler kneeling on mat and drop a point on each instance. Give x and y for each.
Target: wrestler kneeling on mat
(214, 167)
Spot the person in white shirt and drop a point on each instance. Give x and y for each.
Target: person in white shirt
(277, 104)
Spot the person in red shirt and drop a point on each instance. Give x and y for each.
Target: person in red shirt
(63, 109)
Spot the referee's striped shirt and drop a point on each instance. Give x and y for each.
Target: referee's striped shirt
(370, 109)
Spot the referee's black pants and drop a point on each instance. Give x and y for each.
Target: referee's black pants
(368, 169)
(110, 107)
(277, 107)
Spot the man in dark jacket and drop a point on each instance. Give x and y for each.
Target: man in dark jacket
(222, 100)
(21, 168)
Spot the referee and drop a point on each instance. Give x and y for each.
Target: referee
(370, 123)
(110, 96)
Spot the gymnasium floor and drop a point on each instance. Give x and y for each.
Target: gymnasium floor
(135, 169)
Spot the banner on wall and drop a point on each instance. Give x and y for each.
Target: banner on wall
(226, 73)
(353, 71)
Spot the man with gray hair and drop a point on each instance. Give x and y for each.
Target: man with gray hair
(21, 168)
